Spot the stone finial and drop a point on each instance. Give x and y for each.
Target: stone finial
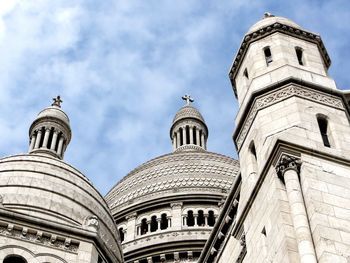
(267, 14)
(91, 223)
(57, 101)
(188, 99)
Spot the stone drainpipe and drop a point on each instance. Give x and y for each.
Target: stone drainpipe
(288, 169)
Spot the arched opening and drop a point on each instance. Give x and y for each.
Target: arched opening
(211, 218)
(154, 224)
(121, 234)
(144, 226)
(268, 55)
(57, 141)
(187, 135)
(190, 218)
(181, 137)
(299, 52)
(253, 159)
(200, 136)
(194, 136)
(164, 222)
(245, 73)
(50, 138)
(323, 125)
(14, 259)
(42, 137)
(200, 218)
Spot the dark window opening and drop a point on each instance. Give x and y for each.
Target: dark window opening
(263, 231)
(268, 55)
(181, 137)
(194, 135)
(121, 234)
(187, 135)
(50, 138)
(253, 150)
(190, 218)
(57, 141)
(42, 137)
(299, 52)
(144, 226)
(211, 218)
(200, 138)
(200, 218)
(14, 259)
(154, 224)
(246, 73)
(164, 222)
(323, 125)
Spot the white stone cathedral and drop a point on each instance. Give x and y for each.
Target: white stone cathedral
(287, 199)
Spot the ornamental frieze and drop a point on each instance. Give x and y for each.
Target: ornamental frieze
(38, 237)
(282, 94)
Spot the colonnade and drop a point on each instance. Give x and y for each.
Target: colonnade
(47, 138)
(199, 220)
(189, 135)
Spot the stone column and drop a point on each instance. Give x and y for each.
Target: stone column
(60, 146)
(32, 142)
(169, 221)
(288, 170)
(46, 137)
(149, 226)
(130, 227)
(176, 215)
(206, 219)
(191, 134)
(149, 260)
(54, 140)
(38, 139)
(184, 137)
(203, 141)
(174, 141)
(178, 140)
(158, 222)
(195, 219)
(197, 137)
(185, 220)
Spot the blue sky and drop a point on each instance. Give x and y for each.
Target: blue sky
(121, 68)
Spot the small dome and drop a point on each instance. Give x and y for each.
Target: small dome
(54, 112)
(271, 19)
(186, 112)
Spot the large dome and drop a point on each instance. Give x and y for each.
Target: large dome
(52, 192)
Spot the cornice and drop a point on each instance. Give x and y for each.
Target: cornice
(271, 29)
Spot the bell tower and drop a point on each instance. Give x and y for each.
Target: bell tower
(293, 140)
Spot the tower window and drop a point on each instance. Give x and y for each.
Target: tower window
(181, 137)
(14, 259)
(187, 135)
(194, 135)
(144, 226)
(245, 73)
(211, 218)
(323, 125)
(253, 150)
(299, 52)
(268, 55)
(200, 218)
(154, 224)
(121, 234)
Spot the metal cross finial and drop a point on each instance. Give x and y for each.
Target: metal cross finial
(57, 101)
(188, 99)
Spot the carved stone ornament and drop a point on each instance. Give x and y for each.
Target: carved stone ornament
(242, 240)
(287, 162)
(92, 223)
(283, 93)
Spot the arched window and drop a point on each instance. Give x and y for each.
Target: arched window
(254, 160)
(164, 222)
(200, 218)
(187, 134)
(121, 234)
(299, 52)
(181, 137)
(194, 135)
(245, 73)
(144, 226)
(154, 224)
(323, 125)
(14, 259)
(268, 55)
(190, 218)
(211, 218)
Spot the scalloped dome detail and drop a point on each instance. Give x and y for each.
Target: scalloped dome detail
(186, 112)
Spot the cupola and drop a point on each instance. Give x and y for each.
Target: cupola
(189, 130)
(50, 132)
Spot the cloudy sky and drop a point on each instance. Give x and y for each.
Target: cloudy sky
(121, 68)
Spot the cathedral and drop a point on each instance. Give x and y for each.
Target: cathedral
(287, 198)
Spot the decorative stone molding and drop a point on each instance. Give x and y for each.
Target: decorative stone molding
(131, 216)
(271, 29)
(278, 95)
(287, 162)
(38, 237)
(92, 223)
(176, 205)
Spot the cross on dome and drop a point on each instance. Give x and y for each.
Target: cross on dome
(188, 99)
(57, 101)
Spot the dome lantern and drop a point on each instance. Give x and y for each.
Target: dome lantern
(189, 130)
(50, 132)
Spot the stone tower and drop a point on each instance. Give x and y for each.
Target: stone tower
(293, 139)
